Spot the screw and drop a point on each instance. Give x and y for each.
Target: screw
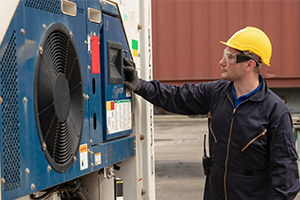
(85, 42)
(49, 168)
(142, 137)
(1, 100)
(41, 50)
(71, 34)
(44, 146)
(2, 181)
(89, 67)
(89, 151)
(44, 26)
(140, 26)
(100, 3)
(27, 171)
(25, 100)
(92, 153)
(134, 149)
(83, 96)
(134, 142)
(104, 3)
(91, 141)
(92, 165)
(22, 31)
(74, 159)
(143, 192)
(115, 7)
(87, 97)
(32, 186)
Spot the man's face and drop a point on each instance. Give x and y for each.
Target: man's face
(231, 71)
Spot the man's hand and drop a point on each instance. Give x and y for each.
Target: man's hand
(132, 81)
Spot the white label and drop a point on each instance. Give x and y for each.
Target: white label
(118, 115)
(120, 198)
(98, 158)
(83, 157)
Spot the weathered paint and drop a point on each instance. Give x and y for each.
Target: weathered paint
(186, 35)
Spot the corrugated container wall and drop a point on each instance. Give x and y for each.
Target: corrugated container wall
(186, 35)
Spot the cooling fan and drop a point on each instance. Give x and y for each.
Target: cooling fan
(58, 95)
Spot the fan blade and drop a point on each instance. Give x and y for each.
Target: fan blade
(44, 99)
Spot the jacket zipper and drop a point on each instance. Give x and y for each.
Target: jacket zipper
(228, 144)
(263, 133)
(210, 116)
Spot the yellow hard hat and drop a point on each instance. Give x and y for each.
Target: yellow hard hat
(253, 40)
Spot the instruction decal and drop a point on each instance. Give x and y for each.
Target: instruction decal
(83, 157)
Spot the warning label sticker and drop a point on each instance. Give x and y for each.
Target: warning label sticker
(118, 115)
(83, 157)
(98, 158)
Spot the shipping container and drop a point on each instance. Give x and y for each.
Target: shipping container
(186, 35)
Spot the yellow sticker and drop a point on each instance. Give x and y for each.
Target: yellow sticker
(108, 105)
(135, 53)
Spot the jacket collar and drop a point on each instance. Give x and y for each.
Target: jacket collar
(257, 96)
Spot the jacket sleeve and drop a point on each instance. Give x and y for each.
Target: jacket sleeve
(283, 158)
(189, 99)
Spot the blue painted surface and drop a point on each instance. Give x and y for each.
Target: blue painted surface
(111, 32)
(29, 150)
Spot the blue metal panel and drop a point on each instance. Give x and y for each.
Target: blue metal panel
(112, 152)
(95, 96)
(113, 92)
(21, 150)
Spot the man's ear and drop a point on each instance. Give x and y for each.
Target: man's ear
(250, 65)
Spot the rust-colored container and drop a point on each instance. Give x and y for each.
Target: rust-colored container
(186, 35)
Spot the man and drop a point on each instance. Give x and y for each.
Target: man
(251, 144)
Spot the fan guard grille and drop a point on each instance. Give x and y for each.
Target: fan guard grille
(58, 91)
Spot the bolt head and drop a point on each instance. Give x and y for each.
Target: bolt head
(32, 186)
(27, 171)
(2, 181)
(44, 26)
(22, 31)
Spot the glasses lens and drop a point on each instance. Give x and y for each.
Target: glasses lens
(229, 57)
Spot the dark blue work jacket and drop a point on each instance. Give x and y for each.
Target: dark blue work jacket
(252, 146)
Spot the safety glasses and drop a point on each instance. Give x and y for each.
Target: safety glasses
(232, 58)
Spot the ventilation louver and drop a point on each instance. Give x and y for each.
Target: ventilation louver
(58, 93)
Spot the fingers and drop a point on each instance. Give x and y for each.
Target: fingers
(129, 62)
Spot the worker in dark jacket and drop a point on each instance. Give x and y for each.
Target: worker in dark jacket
(251, 142)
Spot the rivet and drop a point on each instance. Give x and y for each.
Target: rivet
(32, 186)
(83, 96)
(89, 67)
(44, 26)
(25, 100)
(91, 141)
(85, 42)
(1, 100)
(49, 168)
(44, 146)
(2, 181)
(22, 31)
(27, 171)
(140, 26)
(40, 50)
(87, 97)
(71, 34)
(74, 159)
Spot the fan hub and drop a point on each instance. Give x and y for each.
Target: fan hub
(61, 97)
